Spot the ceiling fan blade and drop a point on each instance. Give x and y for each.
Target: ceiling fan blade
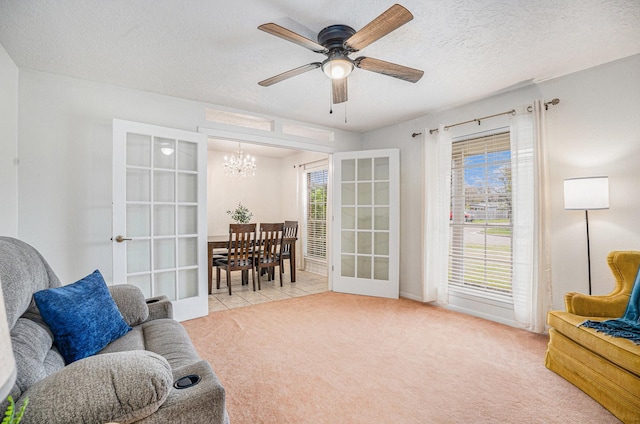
(288, 74)
(391, 19)
(339, 90)
(287, 34)
(387, 68)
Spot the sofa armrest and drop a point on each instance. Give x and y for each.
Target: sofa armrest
(130, 302)
(203, 403)
(159, 307)
(123, 387)
(609, 306)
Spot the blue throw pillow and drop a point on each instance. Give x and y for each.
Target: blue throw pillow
(82, 316)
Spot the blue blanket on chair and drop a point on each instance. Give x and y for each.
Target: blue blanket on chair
(628, 326)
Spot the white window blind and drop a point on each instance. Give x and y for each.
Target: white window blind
(316, 241)
(480, 237)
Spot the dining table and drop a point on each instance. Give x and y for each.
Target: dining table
(221, 241)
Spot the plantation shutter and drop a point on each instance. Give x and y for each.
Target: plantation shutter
(480, 247)
(316, 241)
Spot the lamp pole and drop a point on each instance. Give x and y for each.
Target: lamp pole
(586, 217)
(586, 193)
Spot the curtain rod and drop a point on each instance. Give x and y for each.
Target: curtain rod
(312, 162)
(478, 120)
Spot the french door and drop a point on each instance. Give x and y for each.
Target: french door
(366, 222)
(159, 214)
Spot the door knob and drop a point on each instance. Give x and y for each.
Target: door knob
(120, 239)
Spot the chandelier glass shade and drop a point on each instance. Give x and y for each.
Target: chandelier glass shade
(239, 164)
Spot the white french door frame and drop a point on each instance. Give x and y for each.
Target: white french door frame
(173, 257)
(366, 222)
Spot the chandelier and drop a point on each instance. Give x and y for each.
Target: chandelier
(239, 164)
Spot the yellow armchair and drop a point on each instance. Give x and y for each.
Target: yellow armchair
(604, 367)
(624, 266)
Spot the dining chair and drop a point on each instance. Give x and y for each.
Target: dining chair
(268, 250)
(215, 254)
(290, 231)
(240, 253)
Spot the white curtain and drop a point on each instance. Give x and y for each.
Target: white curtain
(302, 219)
(531, 231)
(437, 179)
(531, 242)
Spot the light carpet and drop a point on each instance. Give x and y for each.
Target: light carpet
(338, 358)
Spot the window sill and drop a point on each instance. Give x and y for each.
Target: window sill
(497, 310)
(316, 260)
(488, 298)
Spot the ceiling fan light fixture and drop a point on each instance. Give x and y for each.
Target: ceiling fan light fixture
(337, 68)
(167, 150)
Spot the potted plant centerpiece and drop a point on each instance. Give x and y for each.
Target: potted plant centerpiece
(240, 215)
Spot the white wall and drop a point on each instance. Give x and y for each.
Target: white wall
(65, 172)
(260, 194)
(595, 130)
(8, 145)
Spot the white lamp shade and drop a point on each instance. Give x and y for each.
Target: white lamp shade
(7, 361)
(586, 193)
(337, 68)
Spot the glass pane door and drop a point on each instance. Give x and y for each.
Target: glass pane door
(366, 222)
(158, 211)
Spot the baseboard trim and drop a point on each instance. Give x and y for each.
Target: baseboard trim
(410, 296)
(489, 317)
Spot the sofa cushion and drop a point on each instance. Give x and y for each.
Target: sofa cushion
(133, 340)
(621, 352)
(82, 316)
(153, 336)
(179, 352)
(123, 387)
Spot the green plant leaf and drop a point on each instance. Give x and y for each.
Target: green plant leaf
(21, 412)
(9, 413)
(241, 214)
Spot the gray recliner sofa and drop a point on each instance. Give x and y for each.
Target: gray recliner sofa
(133, 379)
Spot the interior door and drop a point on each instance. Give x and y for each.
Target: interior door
(159, 214)
(366, 222)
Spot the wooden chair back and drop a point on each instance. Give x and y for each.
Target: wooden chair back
(240, 254)
(270, 242)
(242, 238)
(270, 245)
(290, 230)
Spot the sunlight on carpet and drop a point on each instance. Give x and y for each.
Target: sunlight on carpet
(337, 358)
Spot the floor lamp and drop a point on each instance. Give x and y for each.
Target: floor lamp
(7, 362)
(586, 193)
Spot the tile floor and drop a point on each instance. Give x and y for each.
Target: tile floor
(306, 283)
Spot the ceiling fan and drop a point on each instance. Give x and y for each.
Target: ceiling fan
(337, 42)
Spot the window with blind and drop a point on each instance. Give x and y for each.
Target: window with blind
(480, 236)
(316, 241)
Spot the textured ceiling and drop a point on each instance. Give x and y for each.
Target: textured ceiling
(212, 51)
